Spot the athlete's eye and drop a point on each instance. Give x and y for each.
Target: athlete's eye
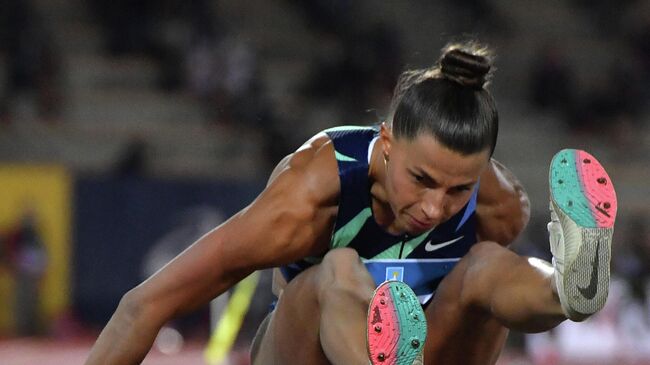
(418, 178)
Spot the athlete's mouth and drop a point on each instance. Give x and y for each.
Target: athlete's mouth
(419, 225)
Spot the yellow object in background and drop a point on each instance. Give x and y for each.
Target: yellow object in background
(44, 192)
(230, 323)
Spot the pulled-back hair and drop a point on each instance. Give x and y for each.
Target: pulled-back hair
(449, 100)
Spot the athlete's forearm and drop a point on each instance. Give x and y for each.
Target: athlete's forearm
(127, 337)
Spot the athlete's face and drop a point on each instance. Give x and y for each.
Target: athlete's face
(426, 182)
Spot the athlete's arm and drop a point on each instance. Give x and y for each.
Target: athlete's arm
(502, 209)
(289, 220)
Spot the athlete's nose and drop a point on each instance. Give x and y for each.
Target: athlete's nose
(433, 206)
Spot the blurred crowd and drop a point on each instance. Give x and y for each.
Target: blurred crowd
(24, 256)
(613, 102)
(32, 67)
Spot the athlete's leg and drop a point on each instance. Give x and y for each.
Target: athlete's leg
(259, 335)
(490, 289)
(321, 315)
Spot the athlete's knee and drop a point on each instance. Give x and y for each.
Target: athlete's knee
(342, 273)
(483, 265)
(487, 253)
(342, 256)
(343, 264)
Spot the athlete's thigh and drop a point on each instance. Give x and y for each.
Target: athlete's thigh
(458, 334)
(291, 335)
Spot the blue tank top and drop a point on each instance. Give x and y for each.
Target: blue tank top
(422, 261)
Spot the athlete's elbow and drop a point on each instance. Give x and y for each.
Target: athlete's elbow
(129, 334)
(517, 218)
(129, 310)
(524, 204)
(134, 310)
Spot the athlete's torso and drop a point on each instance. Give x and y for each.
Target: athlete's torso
(422, 261)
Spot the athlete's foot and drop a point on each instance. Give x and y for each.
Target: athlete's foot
(583, 210)
(397, 326)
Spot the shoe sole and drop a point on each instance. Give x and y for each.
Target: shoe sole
(583, 197)
(397, 327)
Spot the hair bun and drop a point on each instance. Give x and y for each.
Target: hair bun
(468, 64)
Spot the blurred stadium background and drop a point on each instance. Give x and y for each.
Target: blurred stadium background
(130, 127)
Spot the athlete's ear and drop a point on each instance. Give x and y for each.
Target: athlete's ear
(386, 137)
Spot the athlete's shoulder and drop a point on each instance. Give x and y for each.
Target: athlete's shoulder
(349, 128)
(311, 168)
(321, 149)
(350, 133)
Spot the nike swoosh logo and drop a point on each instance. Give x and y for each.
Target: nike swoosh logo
(590, 291)
(431, 247)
